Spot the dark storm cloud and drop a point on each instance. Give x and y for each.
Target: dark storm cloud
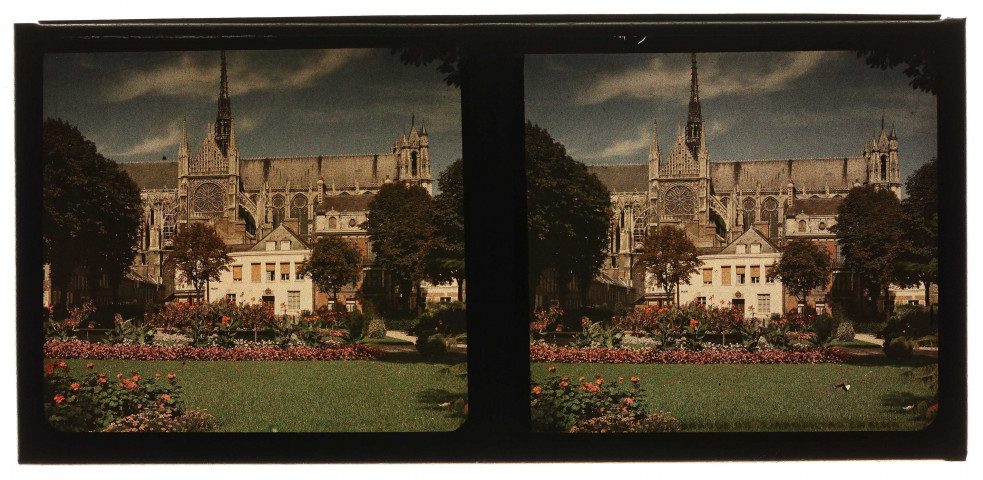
(755, 105)
(285, 102)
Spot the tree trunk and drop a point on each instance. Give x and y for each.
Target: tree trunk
(928, 295)
(460, 288)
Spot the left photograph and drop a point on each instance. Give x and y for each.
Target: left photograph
(252, 241)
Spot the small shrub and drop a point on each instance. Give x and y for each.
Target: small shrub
(130, 331)
(872, 328)
(823, 328)
(910, 321)
(160, 421)
(653, 422)
(845, 332)
(447, 322)
(355, 326)
(432, 346)
(594, 334)
(899, 348)
(377, 328)
(561, 403)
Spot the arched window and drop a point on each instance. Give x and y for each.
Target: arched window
(332, 223)
(769, 213)
(298, 210)
(884, 167)
(748, 206)
(638, 234)
(413, 164)
(277, 210)
(802, 226)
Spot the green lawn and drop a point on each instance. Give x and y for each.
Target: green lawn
(771, 397)
(387, 341)
(399, 394)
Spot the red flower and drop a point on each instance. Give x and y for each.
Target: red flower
(102, 374)
(552, 369)
(74, 386)
(166, 397)
(584, 322)
(49, 369)
(157, 375)
(136, 378)
(536, 390)
(59, 398)
(119, 375)
(599, 381)
(89, 365)
(62, 364)
(101, 380)
(171, 376)
(564, 384)
(635, 379)
(629, 401)
(693, 323)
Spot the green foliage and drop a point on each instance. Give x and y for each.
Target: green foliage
(158, 421)
(918, 257)
(377, 328)
(751, 330)
(401, 226)
(651, 423)
(97, 399)
(920, 63)
(449, 60)
(560, 403)
(334, 263)
(899, 348)
(447, 259)
(355, 326)
(804, 266)
(132, 331)
(90, 209)
(670, 257)
(199, 255)
(568, 213)
(823, 328)
(911, 321)
(595, 334)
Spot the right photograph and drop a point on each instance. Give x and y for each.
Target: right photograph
(732, 241)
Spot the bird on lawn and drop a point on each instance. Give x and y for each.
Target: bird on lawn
(841, 387)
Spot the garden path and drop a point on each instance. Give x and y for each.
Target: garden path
(866, 337)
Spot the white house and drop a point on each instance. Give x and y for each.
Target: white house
(267, 272)
(740, 274)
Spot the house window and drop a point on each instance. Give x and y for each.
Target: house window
(293, 300)
(332, 223)
(350, 305)
(237, 273)
(271, 272)
(764, 303)
(230, 297)
(725, 275)
(820, 309)
(701, 300)
(755, 274)
(769, 273)
(755, 248)
(285, 245)
(445, 299)
(802, 226)
(707, 276)
(270, 246)
(741, 249)
(740, 275)
(256, 274)
(285, 271)
(298, 271)
(912, 302)
(330, 305)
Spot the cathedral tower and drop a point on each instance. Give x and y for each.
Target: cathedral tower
(883, 165)
(413, 165)
(694, 123)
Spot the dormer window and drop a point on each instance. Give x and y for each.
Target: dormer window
(741, 249)
(270, 246)
(285, 245)
(755, 248)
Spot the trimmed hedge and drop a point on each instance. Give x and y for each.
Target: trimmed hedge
(98, 351)
(553, 353)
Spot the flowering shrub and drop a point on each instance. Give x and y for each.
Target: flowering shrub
(130, 331)
(98, 399)
(163, 421)
(653, 422)
(594, 334)
(77, 349)
(554, 353)
(65, 329)
(544, 319)
(561, 403)
(445, 322)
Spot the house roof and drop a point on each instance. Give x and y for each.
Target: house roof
(344, 203)
(805, 173)
(750, 236)
(338, 170)
(622, 178)
(149, 175)
(814, 206)
(282, 232)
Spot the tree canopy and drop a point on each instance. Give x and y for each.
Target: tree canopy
(869, 228)
(447, 259)
(199, 255)
(918, 250)
(568, 213)
(804, 266)
(91, 209)
(920, 64)
(670, 257)
(401, 227)
(334, 263)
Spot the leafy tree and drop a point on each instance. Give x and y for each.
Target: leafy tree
(334, 263)
(918, 256)
(449, 60)
(869, 228)
(920, 64)
(804, 266)
(199, 255)
(568, 214)
(670, 257)
(90, 209)
(447, 262)
(401, 227)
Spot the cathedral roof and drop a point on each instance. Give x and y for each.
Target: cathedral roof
(622, 178)
(344, 203)
(807, 173)
(814, 206)
(340, 170)
(148, 175)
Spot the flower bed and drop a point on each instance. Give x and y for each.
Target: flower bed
(553, 353)
(97, 351)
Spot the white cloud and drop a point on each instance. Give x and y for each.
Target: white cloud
(166, 141)
(635, 145)
(659, 80)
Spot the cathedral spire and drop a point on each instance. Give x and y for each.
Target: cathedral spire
(694, 95)
(183, 148)
(223, 121)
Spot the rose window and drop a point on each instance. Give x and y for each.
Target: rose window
(680, 200)
(208, 198)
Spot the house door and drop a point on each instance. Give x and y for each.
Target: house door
(738, 303)
(269, 300)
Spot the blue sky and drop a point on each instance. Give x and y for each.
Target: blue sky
(770, 105)
(285, 102)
